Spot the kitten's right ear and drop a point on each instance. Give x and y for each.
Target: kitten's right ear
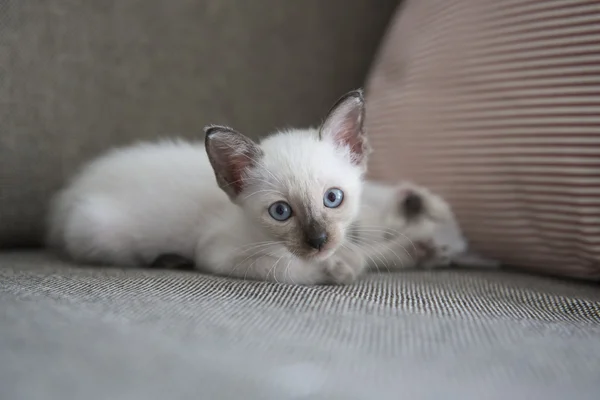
(410, 201)
(230, 153)
(344, 126)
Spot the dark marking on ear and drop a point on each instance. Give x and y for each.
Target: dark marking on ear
(230, 154)
(354, 235)
(412, 205)
(344, 125)
(352, 96)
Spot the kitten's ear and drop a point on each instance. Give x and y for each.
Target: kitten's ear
(344, 126)
(411, 203)
(230, 154)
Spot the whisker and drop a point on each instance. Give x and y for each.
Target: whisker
(389, 230)
(255, 261)
(286, 270)
(385, 246)
(263, 191)
(294, 254)
(373, 262)
(273, 268)
(379, 255)
(256, 243)
(249, 179)
(260, 250)
(255, 247)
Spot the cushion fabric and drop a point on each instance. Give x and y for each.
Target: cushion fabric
(77, 77)
(71, 333)
(495, 105)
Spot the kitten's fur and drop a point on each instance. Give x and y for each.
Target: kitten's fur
(405, 226)
(400, 226)
(135, 204)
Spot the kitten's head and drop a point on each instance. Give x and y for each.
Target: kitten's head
(303, 187)
(421, 214)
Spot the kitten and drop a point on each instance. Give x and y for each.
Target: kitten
(405, 226)
(274, 210)
(408, 226)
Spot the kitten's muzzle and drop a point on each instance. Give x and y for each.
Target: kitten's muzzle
(317, 241)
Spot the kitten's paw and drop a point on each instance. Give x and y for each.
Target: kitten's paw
(430, 255)
(340, 273)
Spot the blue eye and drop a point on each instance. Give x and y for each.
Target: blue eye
(280, 211)
(333, 198)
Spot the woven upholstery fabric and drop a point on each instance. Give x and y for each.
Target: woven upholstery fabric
(496, 105)
(77, 77)
(71, 333)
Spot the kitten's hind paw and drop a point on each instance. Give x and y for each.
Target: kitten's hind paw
(339, 272)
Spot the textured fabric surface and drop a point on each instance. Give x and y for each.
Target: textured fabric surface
(71, 333)
(77, 77)
(496, 105)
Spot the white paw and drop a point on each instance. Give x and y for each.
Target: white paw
(430, 255)
(340, 272)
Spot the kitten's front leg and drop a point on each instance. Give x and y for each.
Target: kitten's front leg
(339, 272)
(345, 266)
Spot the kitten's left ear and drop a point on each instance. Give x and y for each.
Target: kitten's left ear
(344, 126)
(231, 154)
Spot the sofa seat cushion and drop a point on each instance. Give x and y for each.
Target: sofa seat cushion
(69, 332)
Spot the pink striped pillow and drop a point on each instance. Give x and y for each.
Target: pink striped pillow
(496, 105)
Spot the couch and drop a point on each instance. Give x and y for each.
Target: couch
(79, 77)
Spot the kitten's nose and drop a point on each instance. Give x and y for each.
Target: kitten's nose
(317, 242)
(412, 205)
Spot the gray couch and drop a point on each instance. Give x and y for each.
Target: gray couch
(77, 77)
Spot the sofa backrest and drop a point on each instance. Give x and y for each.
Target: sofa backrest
(78, 77)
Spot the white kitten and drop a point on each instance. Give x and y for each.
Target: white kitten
(404, 226)
(278, 209)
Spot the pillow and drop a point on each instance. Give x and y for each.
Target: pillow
(495, 105)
